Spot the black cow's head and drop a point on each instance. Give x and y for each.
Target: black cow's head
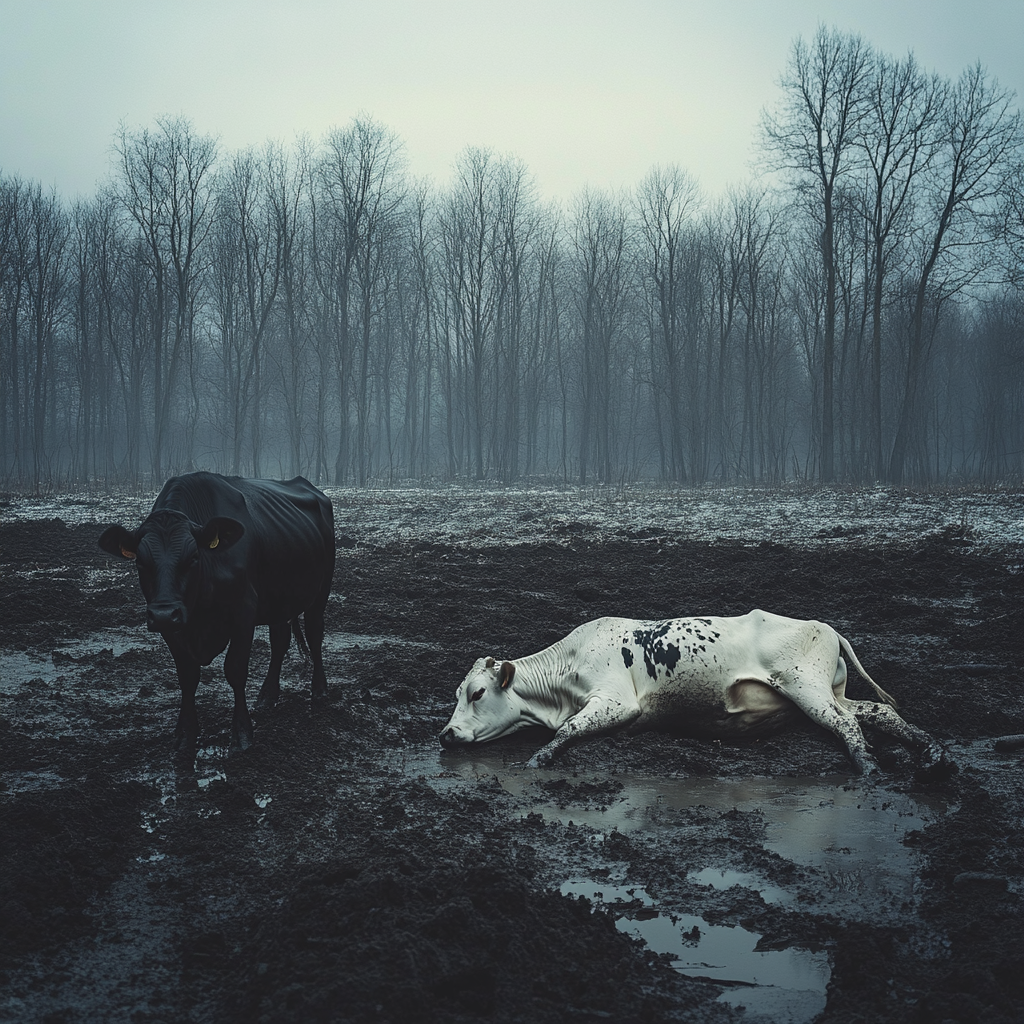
(169, 551)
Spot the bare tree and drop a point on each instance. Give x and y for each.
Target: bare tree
(513, 254)
(422, 330)
(362, 183)
(165, 184)
(287, 184)
(470, 222)
(12, 280)
(667, 202)
(980, 136)
(600, 282)
(42, 236)
(899, 138)
(813, 137)
(249, 257)
(759, 251)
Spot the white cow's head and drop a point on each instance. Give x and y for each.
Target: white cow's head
(485, 707)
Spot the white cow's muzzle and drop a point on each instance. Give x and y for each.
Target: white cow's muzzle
(450, 738)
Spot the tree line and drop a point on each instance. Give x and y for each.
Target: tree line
(857, 314)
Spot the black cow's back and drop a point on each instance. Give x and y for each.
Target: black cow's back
(287, 551)
(293, 543)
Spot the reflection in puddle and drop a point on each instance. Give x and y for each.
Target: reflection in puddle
(847, 831)
(210, 765)
(726, 878)
(215, 777)
(787, 984)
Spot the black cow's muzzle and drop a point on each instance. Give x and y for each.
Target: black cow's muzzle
(165, 619)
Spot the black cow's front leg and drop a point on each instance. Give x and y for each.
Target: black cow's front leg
(186, 733)
(236, 670)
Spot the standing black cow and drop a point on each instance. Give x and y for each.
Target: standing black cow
(218, 556)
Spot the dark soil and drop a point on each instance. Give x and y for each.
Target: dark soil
(314, 878)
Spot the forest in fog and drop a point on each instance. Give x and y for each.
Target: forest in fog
(855, 313)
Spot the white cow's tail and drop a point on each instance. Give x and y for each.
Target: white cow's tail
(300, 640)
(848, 651)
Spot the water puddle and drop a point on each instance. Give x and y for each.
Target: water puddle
(210, 765)
(30, 782)
(118, 641)
(848, 831)
(20, 667)
(335, 643)
(207, 779)
(784, 985)
(727, 878)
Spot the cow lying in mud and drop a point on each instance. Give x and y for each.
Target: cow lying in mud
(710, 677)
(218, 556)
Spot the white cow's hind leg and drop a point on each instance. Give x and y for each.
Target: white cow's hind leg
(884, 718)
(814, 697)
(844, 725)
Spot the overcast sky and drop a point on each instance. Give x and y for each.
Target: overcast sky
(593, 92)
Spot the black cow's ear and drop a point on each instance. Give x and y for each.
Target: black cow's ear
(508, 671)
(118, 541)
(218, 533)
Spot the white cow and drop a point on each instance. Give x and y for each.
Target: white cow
(713, 677)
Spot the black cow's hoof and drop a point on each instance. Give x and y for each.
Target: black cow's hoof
(185, 745)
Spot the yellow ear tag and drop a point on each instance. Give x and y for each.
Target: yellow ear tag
(127, 553)
(215, 542)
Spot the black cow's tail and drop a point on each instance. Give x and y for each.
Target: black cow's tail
(300, 639)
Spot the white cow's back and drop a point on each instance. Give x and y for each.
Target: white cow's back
(707, 674)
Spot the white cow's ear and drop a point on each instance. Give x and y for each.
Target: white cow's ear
(508, 671)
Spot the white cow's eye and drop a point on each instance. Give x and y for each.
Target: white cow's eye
(476, 696)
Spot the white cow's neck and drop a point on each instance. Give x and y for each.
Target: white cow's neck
(544, 688)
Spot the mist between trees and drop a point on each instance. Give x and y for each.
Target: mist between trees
(316, 310)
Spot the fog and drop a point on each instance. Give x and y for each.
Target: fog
(316, 309)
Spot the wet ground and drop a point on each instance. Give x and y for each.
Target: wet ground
(345, 868)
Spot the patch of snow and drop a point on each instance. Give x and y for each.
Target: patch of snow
(467, 516)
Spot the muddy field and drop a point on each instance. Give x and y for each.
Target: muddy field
(345, 868)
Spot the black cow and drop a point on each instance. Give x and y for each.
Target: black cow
(218, 556)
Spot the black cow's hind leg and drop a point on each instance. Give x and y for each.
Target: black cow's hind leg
(236, 669)
(314, 619)
(280, 636)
